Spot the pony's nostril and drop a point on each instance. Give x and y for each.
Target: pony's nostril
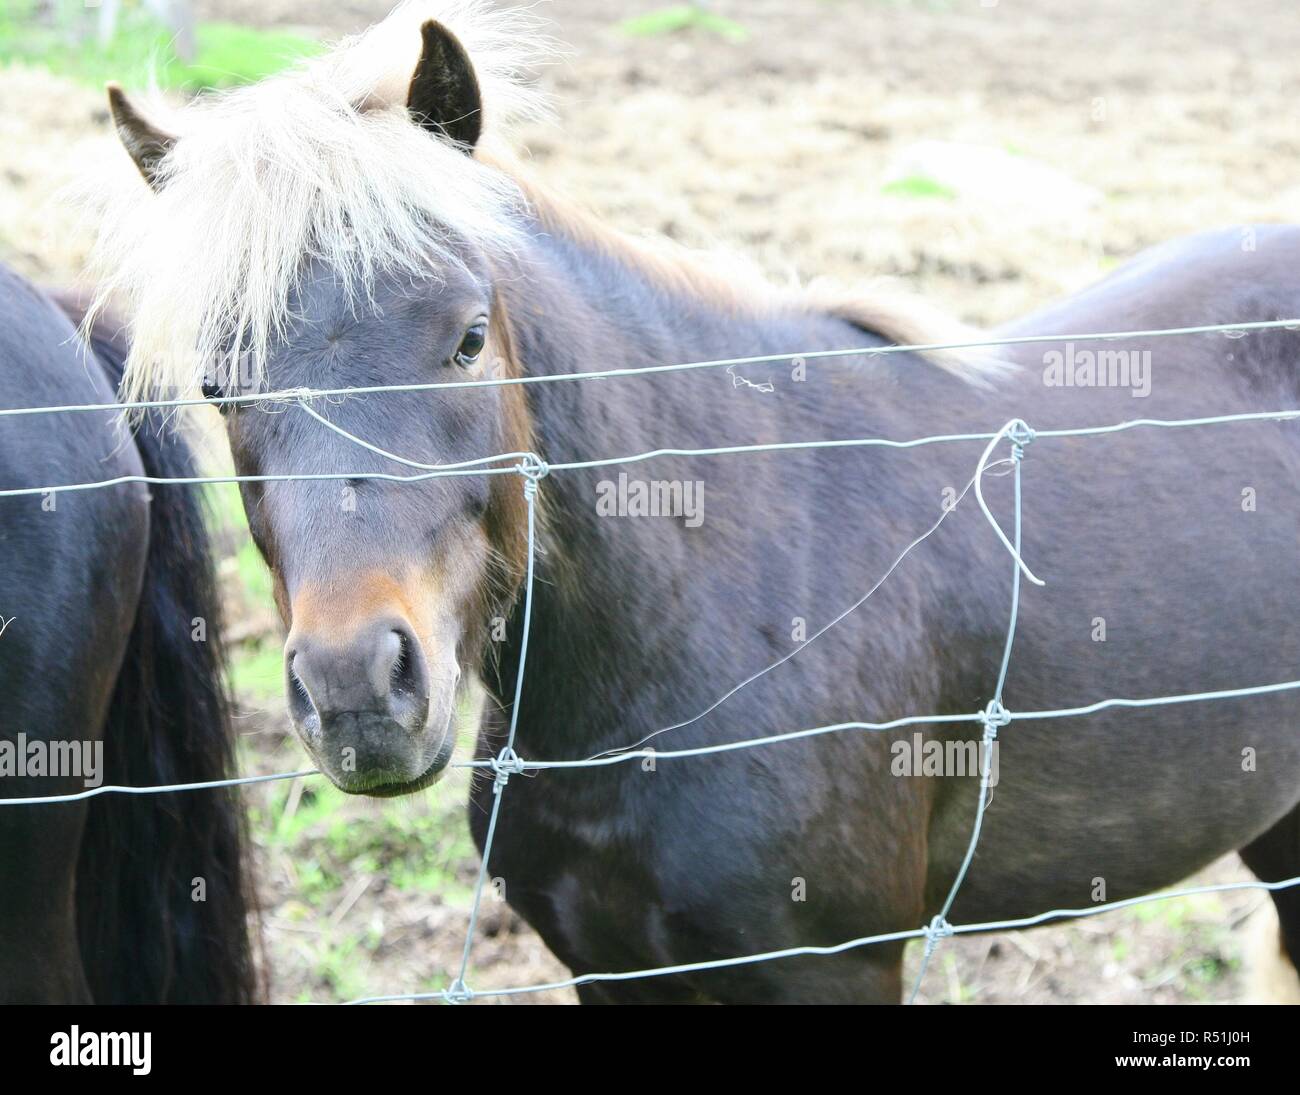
(408, 687)
(404, 674)
(301, 706)
(403, 653)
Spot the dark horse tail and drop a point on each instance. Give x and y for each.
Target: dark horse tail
(163, 893)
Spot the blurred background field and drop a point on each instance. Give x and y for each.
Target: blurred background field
(990, 155)
(137, 43)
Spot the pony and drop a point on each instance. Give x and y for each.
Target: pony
(111, 652)
(361, 221)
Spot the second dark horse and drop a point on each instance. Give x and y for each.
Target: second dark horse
(118, 898)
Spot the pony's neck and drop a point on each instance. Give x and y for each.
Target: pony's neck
(585, 299)
(627, 606)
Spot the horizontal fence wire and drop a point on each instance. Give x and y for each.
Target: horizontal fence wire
(533, 469)
(525, 766)
(475, 467)
(839, 948)
(291, 395)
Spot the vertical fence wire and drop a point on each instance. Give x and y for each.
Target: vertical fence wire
(506, 763)
(995, 715)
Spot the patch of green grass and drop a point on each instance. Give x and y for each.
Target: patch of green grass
(225, 507)
(340, 965)
(229, 54)
(918, 186)
(681, 17)
(254, 577)
(255, 664)
(223, 501)
(257, 670)
(414, 844)
(1208, 969)
(958, 993)
(142, 50)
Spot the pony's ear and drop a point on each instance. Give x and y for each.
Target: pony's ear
(146, 143)
(444, 96)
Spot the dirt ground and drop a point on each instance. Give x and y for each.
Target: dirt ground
(1167, 117)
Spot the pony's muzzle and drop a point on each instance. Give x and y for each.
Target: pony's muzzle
(364, 708)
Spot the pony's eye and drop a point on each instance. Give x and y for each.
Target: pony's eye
(213, 390)
(472, 344)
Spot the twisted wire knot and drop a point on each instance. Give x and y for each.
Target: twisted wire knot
(459, 992)
(994, 717)
(505, 764)
(285, 397)
(937, 929)
(1019, 435)
(534, 469)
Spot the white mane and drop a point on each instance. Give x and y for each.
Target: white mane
(321, 161)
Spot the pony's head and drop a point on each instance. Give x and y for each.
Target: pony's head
(333, 228)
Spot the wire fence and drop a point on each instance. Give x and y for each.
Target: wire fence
(532, 469)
